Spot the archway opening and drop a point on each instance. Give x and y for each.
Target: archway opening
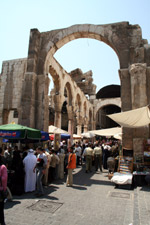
(51, 94)
(89, 54)
(64, 116)
(102, 120)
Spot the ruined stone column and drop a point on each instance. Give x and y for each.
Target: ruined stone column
(79, 129)
(27, 106)
(57, 121)
(70, 131)
(58, 106)
(138, 85)
(85, 128)
(42, 103)
(70, 124)
(126, 105)
(139, 99)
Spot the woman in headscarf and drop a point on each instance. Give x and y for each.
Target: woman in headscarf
(3, 186)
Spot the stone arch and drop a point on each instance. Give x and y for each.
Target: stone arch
(125, 39)
(101, 103)
(102, 120)
(121, 37)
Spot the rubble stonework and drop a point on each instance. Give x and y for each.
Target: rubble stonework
(24, 83)
(84, 81)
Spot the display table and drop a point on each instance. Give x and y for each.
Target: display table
(139, 178)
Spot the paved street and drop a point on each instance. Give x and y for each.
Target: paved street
(93, 200)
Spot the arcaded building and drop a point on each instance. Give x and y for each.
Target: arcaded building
(73, 103)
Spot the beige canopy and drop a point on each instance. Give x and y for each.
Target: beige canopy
(75, 136)
(108, 132)
(133, 118)
(88, 135)
(55, 130)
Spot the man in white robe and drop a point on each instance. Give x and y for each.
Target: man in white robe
(30, 177)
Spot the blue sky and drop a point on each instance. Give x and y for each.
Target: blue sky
(17, 17)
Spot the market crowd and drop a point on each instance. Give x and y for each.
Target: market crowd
(31, 169)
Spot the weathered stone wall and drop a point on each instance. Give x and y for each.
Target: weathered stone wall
(11, 83)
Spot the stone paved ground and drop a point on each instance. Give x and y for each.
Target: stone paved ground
(93, 200)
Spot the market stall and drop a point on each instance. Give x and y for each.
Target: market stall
(134, 119)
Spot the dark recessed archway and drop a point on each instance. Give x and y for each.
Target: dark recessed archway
(64, 117)
(102, 120)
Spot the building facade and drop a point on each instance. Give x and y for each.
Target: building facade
(24, 83)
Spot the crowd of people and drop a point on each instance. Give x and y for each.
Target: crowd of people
(31, 169)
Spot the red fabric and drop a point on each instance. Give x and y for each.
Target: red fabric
(72, 161)
(51, 137)
(4, 175)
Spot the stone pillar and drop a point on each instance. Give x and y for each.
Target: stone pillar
(79, 129)
(138, 85)
(139, 99)
(85, 128)
(42, 103)
(70, 123)
(127, 137)
(133, 95)
(70, 131)
(57, 122)
(58, 106)
(34, 46)
(27, 105)
(94, 125)
(57, 139)
(27, 108)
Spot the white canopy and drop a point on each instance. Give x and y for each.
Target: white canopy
(75, 136)
(55, 130)
(88, 135)
(133, 118)
(107, 132)
(118, 136)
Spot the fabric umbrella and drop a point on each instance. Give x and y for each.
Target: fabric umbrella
(88, 135)
(19, 132)
(44, 137)
(55, 130)
(65, 136)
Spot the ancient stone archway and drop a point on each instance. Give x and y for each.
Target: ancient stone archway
(133, 54)
(102, 120)
(100, 115)
(103, 102)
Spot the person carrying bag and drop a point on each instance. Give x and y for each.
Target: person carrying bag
(3, 188)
